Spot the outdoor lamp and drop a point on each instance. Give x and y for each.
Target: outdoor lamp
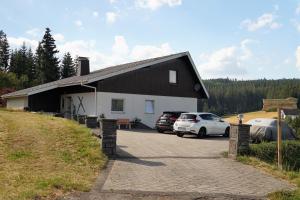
(240, 117)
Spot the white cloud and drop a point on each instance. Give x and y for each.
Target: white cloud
(296, 24)
(95, 14)
(147, 51)
(155, 4)
(35, 32)
(120, 46)
(112, 1)
(78, 23)
(267, 20)
(59, 37)
(298, 57)
(298, 10)
(17, 42)
(120, 52)
(287, 61)
(227, 61)
(111, 17)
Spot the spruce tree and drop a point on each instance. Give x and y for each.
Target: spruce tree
(50, 63)
(67, 66)
(31, 70)
(19, 61)
(38, 60)
(4, 52)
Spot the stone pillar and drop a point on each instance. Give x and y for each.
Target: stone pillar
(91, 121)
(109, 136)
(239, 139)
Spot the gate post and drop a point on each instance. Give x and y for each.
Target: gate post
(239, 140)
(109, 136)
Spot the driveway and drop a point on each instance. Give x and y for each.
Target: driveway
(164, 166)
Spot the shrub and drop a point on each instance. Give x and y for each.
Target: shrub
(268, 153)
(295, 124)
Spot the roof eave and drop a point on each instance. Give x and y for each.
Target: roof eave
(13, 96)
(198, 75)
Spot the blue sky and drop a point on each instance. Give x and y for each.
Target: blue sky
(246, 39)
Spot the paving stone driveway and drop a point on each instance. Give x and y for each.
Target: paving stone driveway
(164, 166)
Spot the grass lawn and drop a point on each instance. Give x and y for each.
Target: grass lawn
(42, 157)
(291, 176)
(251, 115)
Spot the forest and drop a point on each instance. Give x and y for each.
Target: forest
(21, 68)
(230, 96)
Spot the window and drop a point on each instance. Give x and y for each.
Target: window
(188, 116)
(207, 117)
(117, 105)
(149, 106)
(172, 76)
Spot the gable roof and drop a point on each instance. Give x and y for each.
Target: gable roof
(291, 111)
(103, 74)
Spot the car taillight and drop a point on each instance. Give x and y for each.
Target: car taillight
(195, 120)
(158, 118)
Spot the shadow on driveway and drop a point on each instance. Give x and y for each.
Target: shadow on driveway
(124, 156)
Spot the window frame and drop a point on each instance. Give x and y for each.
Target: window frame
(153, 106)
(176, 77)
(117, 111)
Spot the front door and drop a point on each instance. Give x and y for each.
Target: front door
(67, 107)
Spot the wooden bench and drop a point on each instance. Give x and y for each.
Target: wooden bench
(123, 122)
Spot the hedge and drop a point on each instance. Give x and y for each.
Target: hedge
(267, 151)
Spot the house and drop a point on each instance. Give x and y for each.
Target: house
(142, 89)
(291, 113)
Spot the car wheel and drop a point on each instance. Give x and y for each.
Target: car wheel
(180, 134)
(159, 130)
(201, 133)
(227, 131)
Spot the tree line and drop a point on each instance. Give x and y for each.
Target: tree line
(21, 68)
(228, 96)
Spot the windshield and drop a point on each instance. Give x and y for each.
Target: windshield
(188, 116)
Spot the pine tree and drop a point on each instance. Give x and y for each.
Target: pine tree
(4, 52)
(67, 66)
(31, 70)
(38, 60)
(50, 63)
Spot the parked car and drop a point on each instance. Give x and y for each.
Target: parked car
(201, 124)
(264, 129)
(166, 120)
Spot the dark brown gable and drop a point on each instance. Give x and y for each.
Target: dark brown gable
(154, 80)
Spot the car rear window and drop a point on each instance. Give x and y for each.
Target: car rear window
(188, 116)
(170, 114)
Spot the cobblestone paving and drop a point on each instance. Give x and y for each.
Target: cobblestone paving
(165, 167)
(167, 163)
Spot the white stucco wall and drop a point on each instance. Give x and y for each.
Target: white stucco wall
(88, 102)
(134, 105)
(18, 103)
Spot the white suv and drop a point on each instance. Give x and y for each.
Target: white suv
(201, 124)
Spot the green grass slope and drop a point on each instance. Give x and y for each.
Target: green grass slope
(42, 157)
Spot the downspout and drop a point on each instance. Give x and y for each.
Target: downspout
(95, 89)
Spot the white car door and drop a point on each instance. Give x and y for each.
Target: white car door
(220, 126)
(208, 122)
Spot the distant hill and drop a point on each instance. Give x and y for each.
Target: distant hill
(229, 96)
